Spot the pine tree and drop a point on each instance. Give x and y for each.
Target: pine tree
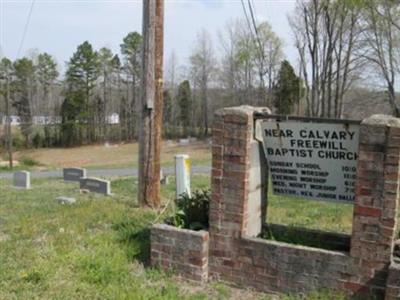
(23, 94)
(131, 50)
(46, 73)
(288, 89)
(81, 76)
(184, 99)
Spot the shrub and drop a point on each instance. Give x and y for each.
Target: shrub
(192, 212)
(29, 162)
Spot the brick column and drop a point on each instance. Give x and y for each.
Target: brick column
(375, 207)
(234, 158)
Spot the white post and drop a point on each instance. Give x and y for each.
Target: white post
(182, 174)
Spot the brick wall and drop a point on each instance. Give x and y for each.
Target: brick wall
(393, 282)
(280, 267)
(180, 250)
(237, 213)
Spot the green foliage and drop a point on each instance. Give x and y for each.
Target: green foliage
(24, 71)
(184, 99)
(29, 162)
(192, 212)
(81, 77)
(288, 89)
(83, 69)
(131, 50)
(46, 70)
(72, 113)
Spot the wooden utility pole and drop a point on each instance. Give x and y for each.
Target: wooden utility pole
(151, 103)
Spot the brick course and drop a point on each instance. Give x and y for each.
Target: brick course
(279, 267)
(238, 202)
(180, 250)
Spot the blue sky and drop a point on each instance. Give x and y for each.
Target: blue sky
(58, 26)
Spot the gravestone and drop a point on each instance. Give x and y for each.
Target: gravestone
(182, 174)
(184, 142)
(22, 180)
(65, 200)
(164, 179)
(96, 185)
(74, 174)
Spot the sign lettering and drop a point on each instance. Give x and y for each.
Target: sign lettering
(312, 160)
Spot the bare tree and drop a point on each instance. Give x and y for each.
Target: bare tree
(381, 39)
(326, 38)
(202, 68)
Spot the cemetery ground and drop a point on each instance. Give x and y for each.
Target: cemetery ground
(98, 156)
(98, 248)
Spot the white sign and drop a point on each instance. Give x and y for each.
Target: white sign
(311, 160)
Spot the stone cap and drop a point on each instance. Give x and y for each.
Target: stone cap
(382, 120)
(243, 110)
(200, 233)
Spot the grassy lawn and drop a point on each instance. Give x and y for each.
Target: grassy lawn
(320, 215)
(95, 249)
(98, 248)
(98, 156)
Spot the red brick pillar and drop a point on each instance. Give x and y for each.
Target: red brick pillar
(375, 207)
(233, 156)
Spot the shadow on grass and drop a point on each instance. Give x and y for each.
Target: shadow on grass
(134, 235)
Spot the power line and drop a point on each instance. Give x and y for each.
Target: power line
(256, 31)
(255, 36)
(25, 28)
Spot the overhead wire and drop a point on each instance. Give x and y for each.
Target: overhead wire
(255, 35)
(24, 33)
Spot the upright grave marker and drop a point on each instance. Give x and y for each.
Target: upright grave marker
(74, 174)
(22, 180)
(182, 174)
(96, 185)
(312, 160)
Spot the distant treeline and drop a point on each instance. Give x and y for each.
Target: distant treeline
(338, 43)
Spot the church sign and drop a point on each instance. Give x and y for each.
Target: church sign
(311, 160)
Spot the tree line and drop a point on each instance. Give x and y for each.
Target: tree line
(338, 42)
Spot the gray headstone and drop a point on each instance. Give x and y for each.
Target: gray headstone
(74, 174)
(163, 178)
(65, 200)
(22, 180)
(96, 185)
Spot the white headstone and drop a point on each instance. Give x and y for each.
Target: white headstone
(22, 180)
(182, 174)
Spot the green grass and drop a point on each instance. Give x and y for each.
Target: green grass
(25, 163)
(321, 215)
(97, 248)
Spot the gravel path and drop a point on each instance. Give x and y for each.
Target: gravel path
(117, 172)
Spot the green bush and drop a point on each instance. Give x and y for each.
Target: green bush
(28, 162)
(192, 212)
